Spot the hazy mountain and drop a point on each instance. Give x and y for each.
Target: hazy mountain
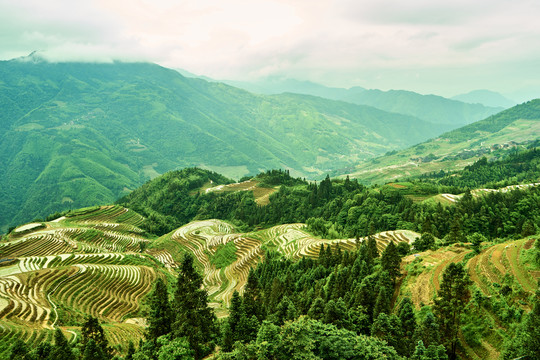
(516, 127)
(276, 85)
(75, 134)
(432, 108)
(486, 98)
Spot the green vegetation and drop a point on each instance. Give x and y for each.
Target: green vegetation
(81, 134)
(494, 137)
(225, 255)
(327, 269)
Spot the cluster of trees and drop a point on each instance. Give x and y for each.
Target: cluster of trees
(345, 293)
(516, 168)
(92, 346)
(345, 208)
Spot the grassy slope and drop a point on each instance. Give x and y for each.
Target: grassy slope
(455, 149)
(90, 262)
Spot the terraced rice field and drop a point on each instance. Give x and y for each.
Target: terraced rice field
(494, 267)
(86, 263)
(479, 192)
(493, 264)
(261, 194)
(203, 238)
(423, 287)
(89, 262)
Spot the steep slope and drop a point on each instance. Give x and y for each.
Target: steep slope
(503, 277)
(513, 128)
(76, 134)
(97, 261)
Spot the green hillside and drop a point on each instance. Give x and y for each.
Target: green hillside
(78, 134)
(509, 130)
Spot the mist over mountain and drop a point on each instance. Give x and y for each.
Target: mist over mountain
(493, 137)
(431, 108)
(486, 98)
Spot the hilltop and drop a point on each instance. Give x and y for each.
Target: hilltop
(79, 134)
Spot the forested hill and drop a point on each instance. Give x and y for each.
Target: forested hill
(344, 208)
(76, 134)
(509, 130)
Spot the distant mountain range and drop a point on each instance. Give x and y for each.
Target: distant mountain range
(77, 134)
(486, 98)
(431, 108)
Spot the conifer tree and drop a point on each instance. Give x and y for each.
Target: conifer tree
(19, 351)
(372, 247)
(428, 331)
(390, 261)
(408, 325)
(316, 311)
(130, 351)
(160, 317)
(232, 331)
(194, 319)
(526, 342)
(252, 296)
(61, 349)
(92, 331)
(450, 303)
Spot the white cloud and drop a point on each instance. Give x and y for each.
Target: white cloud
(417, 44)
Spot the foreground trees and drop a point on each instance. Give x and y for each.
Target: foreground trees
(450, 303)
(194, 319)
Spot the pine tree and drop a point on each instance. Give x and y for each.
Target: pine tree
(372, 247)
(391, 261)
(408, 324)
(19, 351)
(450, 303)
(130, 351)
(194, 319)
(316, 311)
(160, 317)
(92, 351)
(252, 296)
(232, 331)
(61, 349)
(92, 331)
(526, 342)
(428, 331)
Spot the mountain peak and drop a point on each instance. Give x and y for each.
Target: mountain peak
(34, 57)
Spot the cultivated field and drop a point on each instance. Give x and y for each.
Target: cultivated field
(88, 262)
(500, 273)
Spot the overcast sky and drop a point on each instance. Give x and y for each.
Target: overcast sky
(429, 46)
